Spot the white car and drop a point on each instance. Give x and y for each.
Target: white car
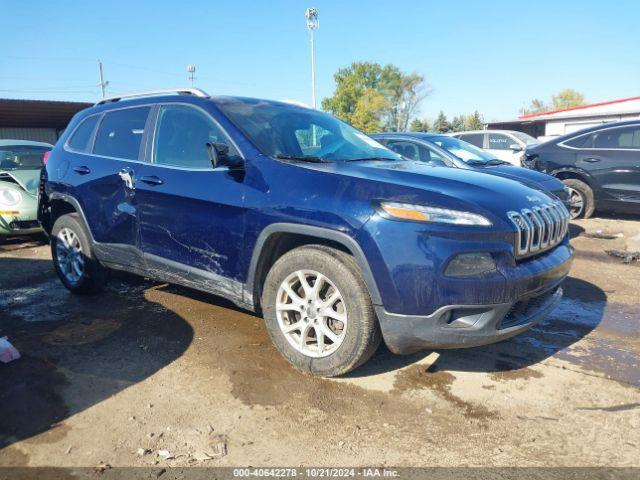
(507, 145)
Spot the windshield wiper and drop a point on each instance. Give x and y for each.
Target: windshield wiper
(492, 162)
(475, 162)
(301, 158)
(371, 159)
(495, 161)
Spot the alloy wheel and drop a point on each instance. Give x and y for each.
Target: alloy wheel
(576, 203)
(311, 313)
(69, 255)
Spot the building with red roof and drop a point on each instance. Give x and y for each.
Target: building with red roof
(553, 123)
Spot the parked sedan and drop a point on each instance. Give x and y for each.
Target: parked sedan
(600, 165)
(507, 145)
(20, 165)
(445, 151)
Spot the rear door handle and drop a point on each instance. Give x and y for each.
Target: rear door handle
(592, 160)
(82, 170)
(152, 180)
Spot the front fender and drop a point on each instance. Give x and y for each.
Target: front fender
(320, 233)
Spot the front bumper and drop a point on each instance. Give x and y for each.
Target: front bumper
(19, 225)
(462, 326)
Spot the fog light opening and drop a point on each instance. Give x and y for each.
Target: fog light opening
(470, 264)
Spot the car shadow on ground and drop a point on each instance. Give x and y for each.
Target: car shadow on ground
(76, 351)
(579, 312)
(575, 230)
(22, 242)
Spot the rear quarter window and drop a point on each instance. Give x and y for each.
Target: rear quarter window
(476, 139)
(82, 135)
(120, 133)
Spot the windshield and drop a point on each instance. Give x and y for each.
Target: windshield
(464, 151)
(288, 131)
(21, 157)
(527, 139)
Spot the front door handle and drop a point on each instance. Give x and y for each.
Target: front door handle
(592, 160)
(152, 180)
(82, 170)
(126, 174)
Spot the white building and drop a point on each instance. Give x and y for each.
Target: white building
(567, 120)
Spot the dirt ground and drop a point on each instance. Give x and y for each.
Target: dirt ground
(150, 374)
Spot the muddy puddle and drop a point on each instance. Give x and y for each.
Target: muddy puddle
(421, 377)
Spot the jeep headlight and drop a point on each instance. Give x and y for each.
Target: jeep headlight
(421, 213)
(9, 197)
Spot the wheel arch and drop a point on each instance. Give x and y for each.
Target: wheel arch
(279, 238)
(61, 204)
(575, 173)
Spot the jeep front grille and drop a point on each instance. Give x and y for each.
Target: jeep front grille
(539, 228)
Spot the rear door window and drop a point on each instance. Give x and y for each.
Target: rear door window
(120, 133)
(82, 136)
(615, 138)
(476, 139)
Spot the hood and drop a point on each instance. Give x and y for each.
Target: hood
(456, 188)
(531, 178)
(27, 179)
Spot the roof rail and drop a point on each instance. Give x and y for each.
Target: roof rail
(179, 91)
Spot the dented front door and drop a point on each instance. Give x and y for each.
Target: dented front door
(191, 215)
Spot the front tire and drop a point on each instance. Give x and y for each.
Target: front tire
(73, 258)
(582, 204)
(318, 311)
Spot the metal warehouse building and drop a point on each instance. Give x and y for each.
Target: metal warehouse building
(568, 120)
(39, 120)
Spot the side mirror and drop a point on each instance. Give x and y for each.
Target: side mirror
(218, 153)
(515, 147)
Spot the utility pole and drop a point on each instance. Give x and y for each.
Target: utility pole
(192, 70)
(102, 83)
(311, 14)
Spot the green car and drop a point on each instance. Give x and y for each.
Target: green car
(20, 164)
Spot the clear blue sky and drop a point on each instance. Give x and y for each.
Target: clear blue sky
(493, 56)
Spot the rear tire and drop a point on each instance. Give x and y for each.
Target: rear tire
(327, 333)
(581, 197)
(73, 258)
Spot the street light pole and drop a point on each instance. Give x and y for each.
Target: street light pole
(311, 14)
(102, 83)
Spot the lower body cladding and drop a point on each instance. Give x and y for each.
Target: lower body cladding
(462, 326)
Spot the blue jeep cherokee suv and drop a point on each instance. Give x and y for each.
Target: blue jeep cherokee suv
(285, 210)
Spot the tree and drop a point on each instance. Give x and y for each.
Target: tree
(407, 100)
(418, 125)
(354, 88)
(441, 124)
(370, 107)
(536, 106)
(372, 97)
(458, 124)
(563, 99)
(567, 98)
(474, 121)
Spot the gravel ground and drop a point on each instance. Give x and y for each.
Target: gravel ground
(151, 374)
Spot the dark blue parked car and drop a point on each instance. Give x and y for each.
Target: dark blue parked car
(599, 165)
(285, 210)
(442, 150)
